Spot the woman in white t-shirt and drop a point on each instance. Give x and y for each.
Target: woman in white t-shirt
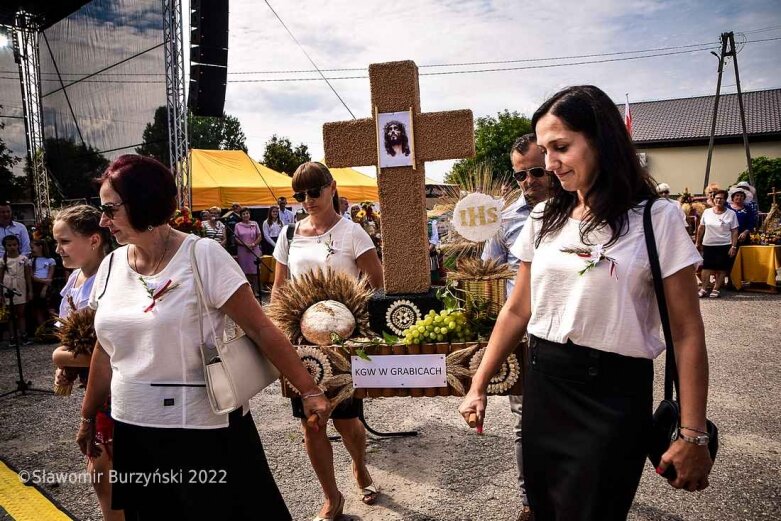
(325, 240)
(208, 466)
(717, 239)
(584, 293)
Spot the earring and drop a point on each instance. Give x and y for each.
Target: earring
(149, 228)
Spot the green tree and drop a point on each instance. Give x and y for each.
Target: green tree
(223, 133)
(9, 183)
(156, 137)
(74, 166)
(767, 174)
(494, 136)
(282, 157)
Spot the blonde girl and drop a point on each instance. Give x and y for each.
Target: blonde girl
(82, 244)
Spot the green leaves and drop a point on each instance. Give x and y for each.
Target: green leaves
(389, 339)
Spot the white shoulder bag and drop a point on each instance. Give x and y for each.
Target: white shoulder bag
(234, 369)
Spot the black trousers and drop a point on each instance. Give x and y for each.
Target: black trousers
(586, 418)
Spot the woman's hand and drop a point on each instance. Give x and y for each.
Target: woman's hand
(320, 406)
(60, 378)
(692, 465)
(474, 403)
(86, 440)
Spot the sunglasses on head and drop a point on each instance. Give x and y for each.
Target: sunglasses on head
(537, 171)
(109, 209)
(313, 193)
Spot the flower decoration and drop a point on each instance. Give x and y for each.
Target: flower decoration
(504, 379)
(329, 246)
(157, 295)
(594, 256)
(184, 221)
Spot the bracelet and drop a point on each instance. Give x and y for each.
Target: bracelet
(87, 420)
(694, 430)
(313, 394)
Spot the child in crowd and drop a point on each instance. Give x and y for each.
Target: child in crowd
(42, 270)
(15, 276)
(83, 244)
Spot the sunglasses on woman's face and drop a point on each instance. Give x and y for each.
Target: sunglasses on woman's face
(109, 209)
(313, 193)
(537, 171)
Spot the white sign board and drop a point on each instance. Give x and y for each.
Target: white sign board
(477, 217)
(399, 371)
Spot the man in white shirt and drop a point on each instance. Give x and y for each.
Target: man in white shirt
(344, 208)
(285, 215)
(11, 227)
(529, 172)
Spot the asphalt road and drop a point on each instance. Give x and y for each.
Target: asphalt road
(447, 473)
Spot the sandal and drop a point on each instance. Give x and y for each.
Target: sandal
(702, 293)
(369, 493)
(714, 294)
(336, 514)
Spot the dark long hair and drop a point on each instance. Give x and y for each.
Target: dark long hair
(314, 175)
(620, 183)
(404, 139)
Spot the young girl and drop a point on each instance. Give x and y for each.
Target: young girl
(42, 269)
(15, 274)
(82, 244)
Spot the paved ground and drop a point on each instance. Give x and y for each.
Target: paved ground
(447, 473)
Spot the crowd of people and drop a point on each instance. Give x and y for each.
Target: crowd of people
(583, 420)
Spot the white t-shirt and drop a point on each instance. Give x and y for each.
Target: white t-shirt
(610, 312)
(80, 294)
(41, 266)
(718, 227)
(338, 248)
(157, 378)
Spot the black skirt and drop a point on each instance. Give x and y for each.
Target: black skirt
(346, 410)
(716, 258)
(194, 473)
(586, 418)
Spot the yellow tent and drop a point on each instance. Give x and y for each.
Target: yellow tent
(223, 177)
(354, 185)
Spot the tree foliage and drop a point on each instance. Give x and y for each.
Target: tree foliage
(767, 174)
(494, 136)
(74, 166)
(11, 186)
(280, 155)
(223, 133)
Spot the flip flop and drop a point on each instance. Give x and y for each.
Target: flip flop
(714, 294)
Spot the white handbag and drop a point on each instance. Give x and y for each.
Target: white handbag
(234, 369)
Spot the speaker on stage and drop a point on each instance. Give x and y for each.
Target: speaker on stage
(208, 57)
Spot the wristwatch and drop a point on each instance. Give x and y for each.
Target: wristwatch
(702, 439)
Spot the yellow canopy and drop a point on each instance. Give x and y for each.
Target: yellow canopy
(223, 177)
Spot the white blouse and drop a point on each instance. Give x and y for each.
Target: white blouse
(610, 310)
(157, 373)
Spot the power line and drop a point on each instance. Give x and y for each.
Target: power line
(310, 59)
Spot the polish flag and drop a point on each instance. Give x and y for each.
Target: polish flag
(628, 116)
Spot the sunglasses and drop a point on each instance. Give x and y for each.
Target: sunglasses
(537, 171)
(666, 192)
(313, 193)
(109, 209)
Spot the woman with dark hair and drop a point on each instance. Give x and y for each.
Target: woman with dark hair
(325, 240)
(584, 293)
(717, 239)
(194, 464)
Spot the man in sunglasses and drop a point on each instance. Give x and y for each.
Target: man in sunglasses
(529, 172)
(285, 215)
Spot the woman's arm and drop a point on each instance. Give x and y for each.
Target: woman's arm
(700, 235)
(508, 331)
(369, 263)
(692, 462)
(267, 234)
(28, 279)
(249, 316)
(63, 358)
(98, 389)
(259, 237)
(734, 242)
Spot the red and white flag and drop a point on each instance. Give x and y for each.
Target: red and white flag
(628, 116)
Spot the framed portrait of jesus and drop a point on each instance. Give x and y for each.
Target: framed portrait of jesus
(395, 139)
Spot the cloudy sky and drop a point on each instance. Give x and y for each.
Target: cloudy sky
(545, 46)
(341, 34)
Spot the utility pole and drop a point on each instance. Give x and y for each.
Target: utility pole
(727, 50)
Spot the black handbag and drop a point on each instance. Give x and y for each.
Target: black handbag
(667, 418)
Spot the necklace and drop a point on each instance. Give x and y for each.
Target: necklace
(165, 250)
(320, 235)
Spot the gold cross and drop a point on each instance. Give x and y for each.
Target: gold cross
(435, 136)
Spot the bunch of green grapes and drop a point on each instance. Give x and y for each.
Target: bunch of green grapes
(445, 326)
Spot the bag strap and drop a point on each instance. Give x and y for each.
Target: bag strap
(200, 295)
(108, 275)
(670, 369)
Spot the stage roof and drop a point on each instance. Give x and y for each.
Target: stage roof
(49, 12)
